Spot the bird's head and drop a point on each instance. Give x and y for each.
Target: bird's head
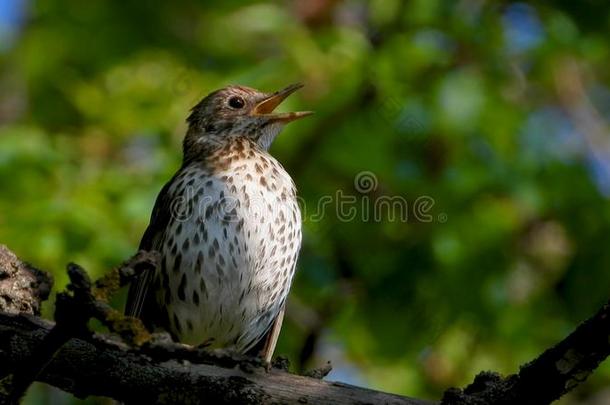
(238, 112)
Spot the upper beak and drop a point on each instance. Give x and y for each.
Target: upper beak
(266, 106)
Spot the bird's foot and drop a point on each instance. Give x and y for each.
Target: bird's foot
(205, 344)
(280, 363)
(319, 372)
(160, 338)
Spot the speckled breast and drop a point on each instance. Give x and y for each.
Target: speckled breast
(230, 249)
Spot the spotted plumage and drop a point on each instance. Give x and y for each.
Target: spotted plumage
(227, 226)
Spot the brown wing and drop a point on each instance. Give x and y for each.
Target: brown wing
(138, 296)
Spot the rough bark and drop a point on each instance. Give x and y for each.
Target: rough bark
(22, 287)
(555, 372)
(135, 367)
(99, 366)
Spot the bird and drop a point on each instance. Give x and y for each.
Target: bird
(227, 227)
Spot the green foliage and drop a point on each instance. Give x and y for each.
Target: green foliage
(468, 103)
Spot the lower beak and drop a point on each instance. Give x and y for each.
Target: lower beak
(266, 106)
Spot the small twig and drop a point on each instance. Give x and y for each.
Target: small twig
(65, 327)
(130, 329)
(73, 309)
(111, 282)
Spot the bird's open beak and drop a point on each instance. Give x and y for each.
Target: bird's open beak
(268, 104)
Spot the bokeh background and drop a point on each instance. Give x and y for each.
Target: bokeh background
(494, 112)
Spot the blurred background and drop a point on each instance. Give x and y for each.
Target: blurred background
(493, 113)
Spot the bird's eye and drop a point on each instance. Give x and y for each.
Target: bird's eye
(236, 102)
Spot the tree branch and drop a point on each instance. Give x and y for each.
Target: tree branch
(100, 366)
(148, 368)
(554, 373)
(134, 366)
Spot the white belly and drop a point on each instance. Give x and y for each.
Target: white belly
(229, 257)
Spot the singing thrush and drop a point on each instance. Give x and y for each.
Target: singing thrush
(228, 228)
